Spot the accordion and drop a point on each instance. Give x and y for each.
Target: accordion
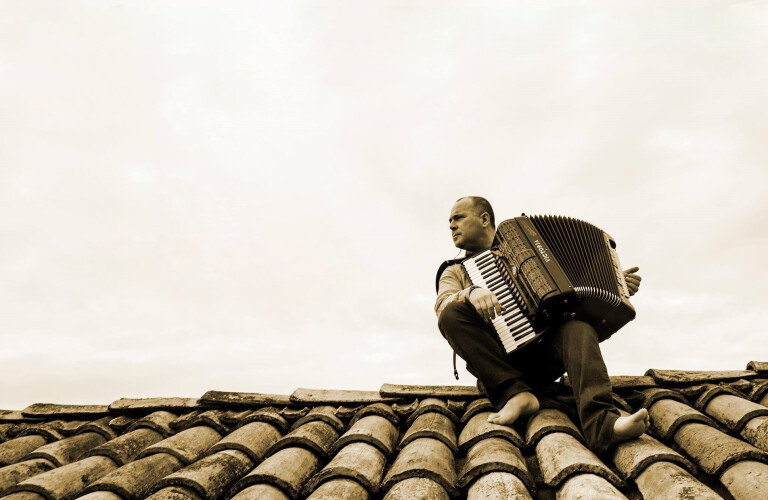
(547, 269)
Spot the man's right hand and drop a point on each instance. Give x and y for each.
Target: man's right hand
(485, 303)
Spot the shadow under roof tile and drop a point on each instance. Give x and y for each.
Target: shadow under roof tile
(547, 421)
(57, 410)
(457, 406)
(431, 425)
(132, 481)
(561, 455)
(289, 469)
(329, 396)
(14, 450)
(153, 404)
(261, 492)
(359, 461)
(68, 480)
(424, 458)
(12, 475)
(174, 493)
(494, 455)
(372, 429)
(317, 436)
(676, 377)
(125, 448)
(668, 481)
(667, 415)
(380, 409)
(588, 487)
(188, 445)
(69, 449)
(756, 432)
(348, 489)
(713, 450)
(476, 406)
(269, 415)
(244, 399)
(746, 480)
(325, 414)
(430, 391)
(253, 439)
(417, 488)
(498, 486)
(211, 476)
(158, 421)
(733, 411)
(761, 367)
(633, 456)
(432, 405)
(479, 428)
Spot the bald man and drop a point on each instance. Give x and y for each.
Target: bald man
(464, 314)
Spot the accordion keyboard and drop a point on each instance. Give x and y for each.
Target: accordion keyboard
(512, 326)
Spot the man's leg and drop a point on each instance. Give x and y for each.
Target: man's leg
(576, 345)
(477, 344)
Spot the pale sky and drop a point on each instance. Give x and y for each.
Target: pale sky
(253, 196)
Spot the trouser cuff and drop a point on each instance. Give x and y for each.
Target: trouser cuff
(506, 391)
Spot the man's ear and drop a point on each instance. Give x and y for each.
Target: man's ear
(486, 218)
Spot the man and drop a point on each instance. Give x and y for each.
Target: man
(464, 314)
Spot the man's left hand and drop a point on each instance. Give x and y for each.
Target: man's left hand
(632, 279)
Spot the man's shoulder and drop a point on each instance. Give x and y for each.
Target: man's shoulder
(445, 265)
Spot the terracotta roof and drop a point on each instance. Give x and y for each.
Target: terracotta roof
(708, 439)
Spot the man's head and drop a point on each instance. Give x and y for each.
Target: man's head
(472, 223)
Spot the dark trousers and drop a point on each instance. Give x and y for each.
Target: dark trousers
(571, 347)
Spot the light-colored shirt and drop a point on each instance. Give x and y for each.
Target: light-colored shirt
(454, 285)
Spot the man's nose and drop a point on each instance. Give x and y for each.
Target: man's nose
(452, 226)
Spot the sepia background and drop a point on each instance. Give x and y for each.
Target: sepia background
(254, 196)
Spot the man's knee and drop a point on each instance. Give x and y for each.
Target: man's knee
(453, 313)
(578, 332)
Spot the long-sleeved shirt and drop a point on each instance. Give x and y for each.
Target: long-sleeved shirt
(454, 285)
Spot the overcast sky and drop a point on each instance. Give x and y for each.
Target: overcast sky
(253, 196)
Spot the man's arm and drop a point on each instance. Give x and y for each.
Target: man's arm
(455, 285)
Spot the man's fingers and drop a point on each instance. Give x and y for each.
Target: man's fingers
(497, 306)
(632, 270)
(633, 279)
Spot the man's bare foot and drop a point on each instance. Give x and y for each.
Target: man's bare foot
(631, 426)
(519, 405)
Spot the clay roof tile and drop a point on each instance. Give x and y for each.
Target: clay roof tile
(359, 461)
(253, 439)
(210, 476)
(133, 480)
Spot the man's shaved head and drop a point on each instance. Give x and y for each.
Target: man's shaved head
(480, 205)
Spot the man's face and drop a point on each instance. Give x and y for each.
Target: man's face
(466, 226)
